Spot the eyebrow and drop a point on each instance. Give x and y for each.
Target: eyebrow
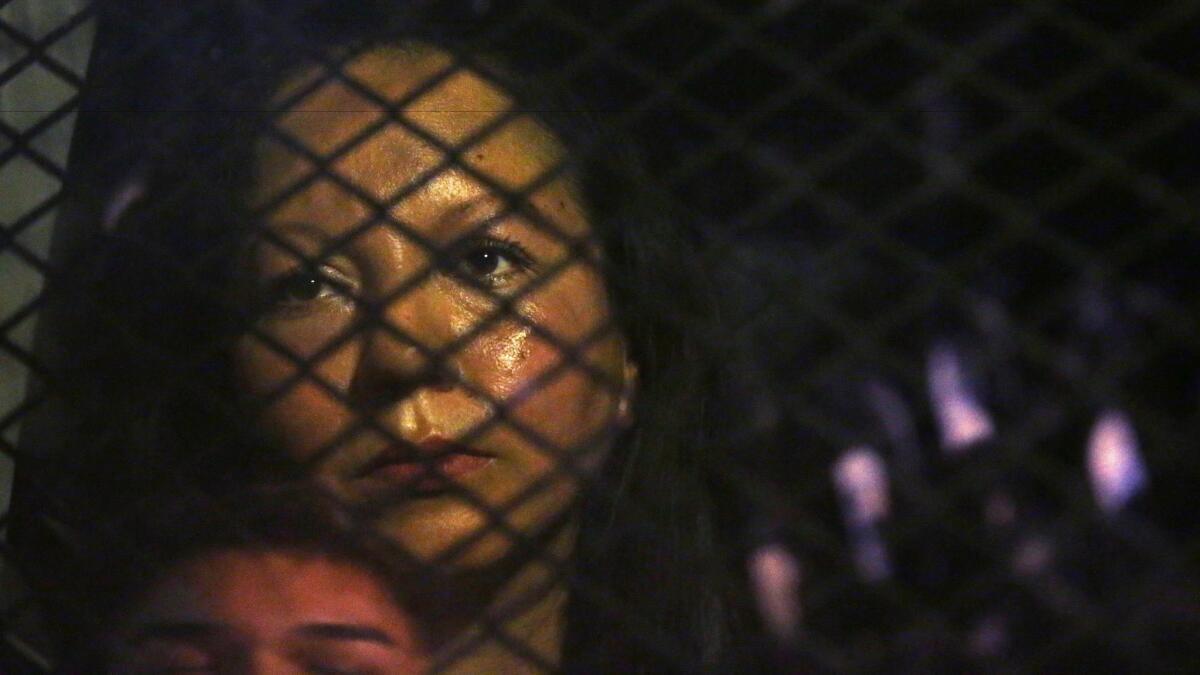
(345, 631)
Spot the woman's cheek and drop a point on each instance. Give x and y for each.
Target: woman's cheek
(497, 361)
(302, 413)
(558, 398)
(560, 379)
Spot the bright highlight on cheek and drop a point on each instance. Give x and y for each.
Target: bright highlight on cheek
(514, 351)
(499, 360)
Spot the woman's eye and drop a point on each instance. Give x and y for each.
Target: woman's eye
(492, 260)
(304, 286)
(484, 262)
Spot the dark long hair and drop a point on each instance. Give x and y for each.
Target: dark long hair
(154, 408)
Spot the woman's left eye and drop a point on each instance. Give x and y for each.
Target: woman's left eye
(491, 260)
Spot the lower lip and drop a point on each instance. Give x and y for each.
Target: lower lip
(425, 477)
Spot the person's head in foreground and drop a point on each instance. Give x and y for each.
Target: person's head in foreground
(433, 286)
(270, 581)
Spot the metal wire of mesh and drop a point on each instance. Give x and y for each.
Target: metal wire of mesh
(699, 335)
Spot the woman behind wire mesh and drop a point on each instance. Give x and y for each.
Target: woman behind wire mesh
(402, 271)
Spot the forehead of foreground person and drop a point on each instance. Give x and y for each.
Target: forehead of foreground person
(265, 611)
(281, 575)
(484, 258)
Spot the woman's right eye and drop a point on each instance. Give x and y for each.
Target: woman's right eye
(305, 286)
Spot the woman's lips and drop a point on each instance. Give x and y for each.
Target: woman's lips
(432, 468)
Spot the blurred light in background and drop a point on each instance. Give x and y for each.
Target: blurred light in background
(861, 481)
(775, 575)
(961, 419)
(1115, 467)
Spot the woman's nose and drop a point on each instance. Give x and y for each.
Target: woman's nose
(402, 344)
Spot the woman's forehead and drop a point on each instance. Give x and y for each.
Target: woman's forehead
(429, 89)
(456, 141)
(390, 71)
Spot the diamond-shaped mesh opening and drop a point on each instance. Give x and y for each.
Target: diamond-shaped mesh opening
(25, 16)
(685, 336)
(40, 91)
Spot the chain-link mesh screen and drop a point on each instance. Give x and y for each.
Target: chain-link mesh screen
(687, 336)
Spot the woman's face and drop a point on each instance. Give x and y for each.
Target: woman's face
(515, 391)
(266, 612)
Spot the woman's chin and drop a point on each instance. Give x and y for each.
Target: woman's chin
(446, 530)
